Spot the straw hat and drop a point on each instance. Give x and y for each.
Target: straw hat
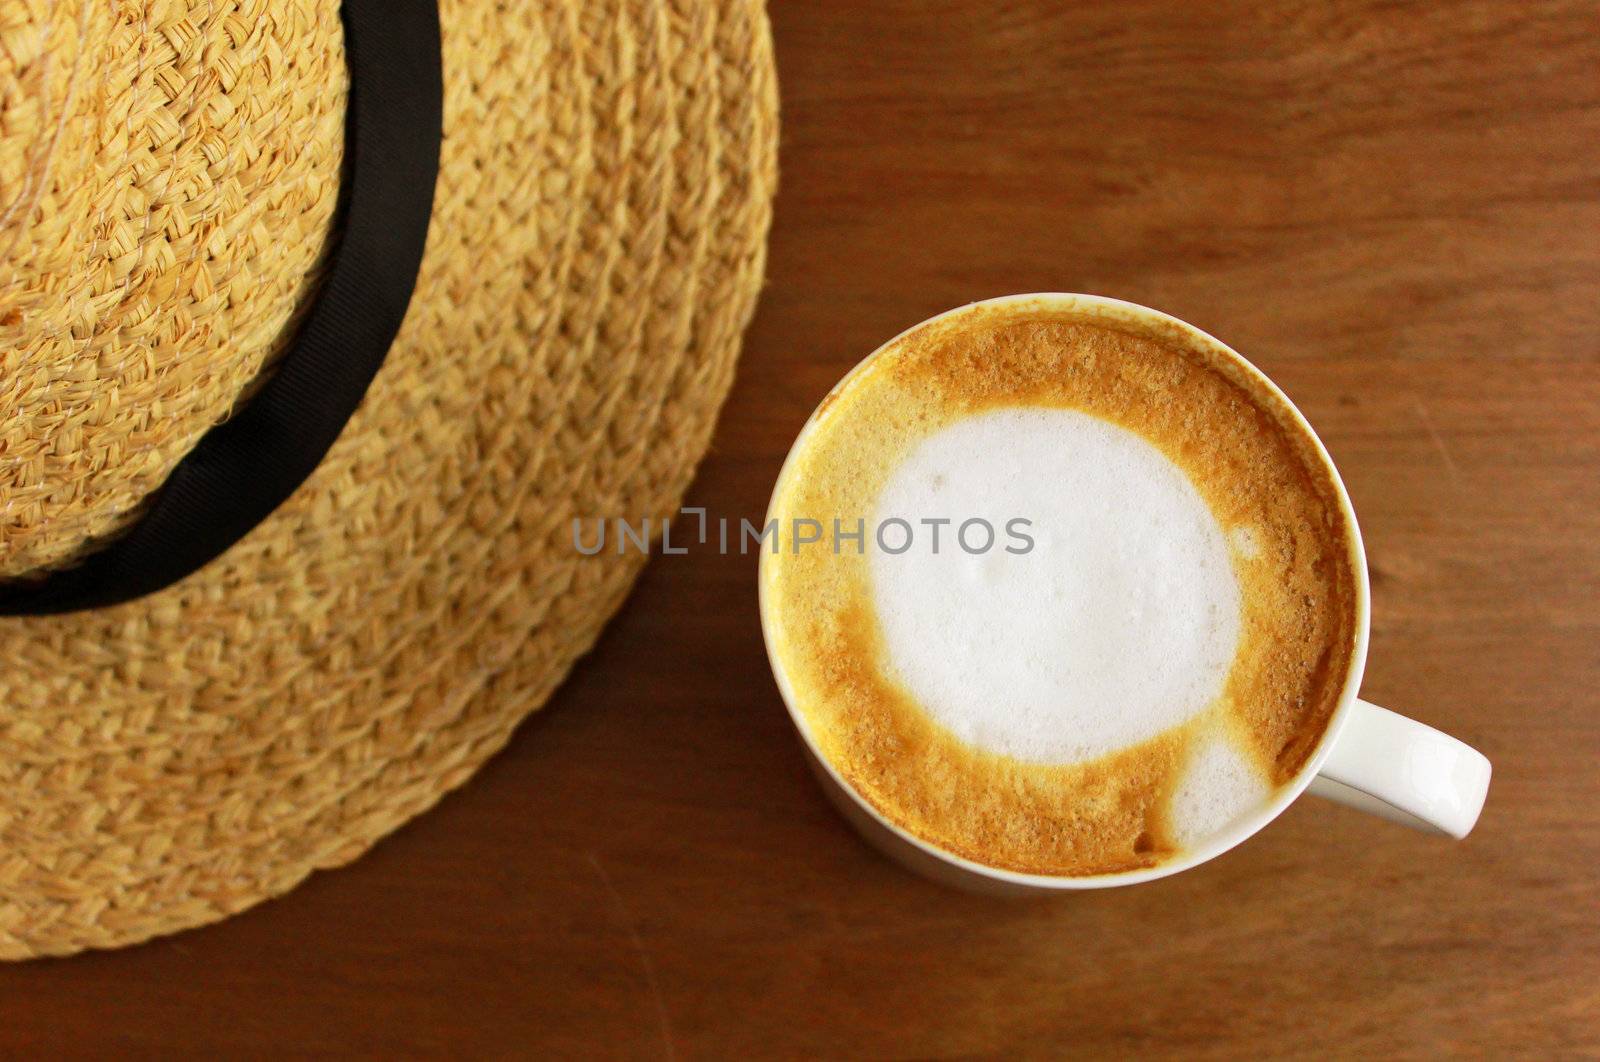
(215, 212)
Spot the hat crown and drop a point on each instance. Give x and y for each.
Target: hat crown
(168, 186)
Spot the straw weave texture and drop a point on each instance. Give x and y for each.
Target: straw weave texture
(169, 186)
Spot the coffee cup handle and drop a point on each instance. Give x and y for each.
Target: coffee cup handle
(1405, 771)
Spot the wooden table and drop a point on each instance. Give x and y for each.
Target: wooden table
(1392, 208)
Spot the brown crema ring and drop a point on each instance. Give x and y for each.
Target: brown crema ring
(1248, 457)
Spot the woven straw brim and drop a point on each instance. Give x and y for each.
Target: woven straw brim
(595, 252)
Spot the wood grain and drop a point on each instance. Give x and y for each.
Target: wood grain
(1392, 208)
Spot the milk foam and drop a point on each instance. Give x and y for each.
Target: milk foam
(1218, 785)
(1121, 622)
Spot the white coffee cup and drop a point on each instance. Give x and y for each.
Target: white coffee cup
(1369, 757)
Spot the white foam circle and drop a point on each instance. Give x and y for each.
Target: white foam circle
(1120, 622)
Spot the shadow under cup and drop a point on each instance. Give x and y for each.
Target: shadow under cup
(1453, 791)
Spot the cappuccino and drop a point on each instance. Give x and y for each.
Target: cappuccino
(1130, 621)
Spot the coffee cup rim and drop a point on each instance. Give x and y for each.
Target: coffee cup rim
(1104, 307)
